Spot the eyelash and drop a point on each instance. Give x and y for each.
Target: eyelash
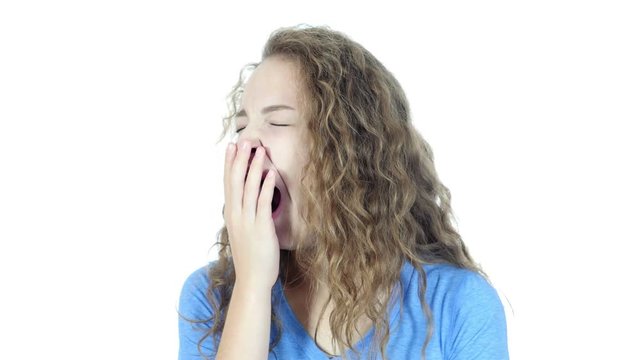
(237, 131)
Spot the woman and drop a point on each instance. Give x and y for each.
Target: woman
(346, 249)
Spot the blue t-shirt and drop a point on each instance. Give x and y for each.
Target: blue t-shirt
(468, 317)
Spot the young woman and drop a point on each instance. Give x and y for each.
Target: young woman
(338, 241)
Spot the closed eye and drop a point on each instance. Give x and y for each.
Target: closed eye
(237, 131)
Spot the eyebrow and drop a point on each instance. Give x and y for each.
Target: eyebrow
(266, 110)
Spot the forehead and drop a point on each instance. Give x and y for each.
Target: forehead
(274, 81)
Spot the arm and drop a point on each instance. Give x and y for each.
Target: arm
(247, 327)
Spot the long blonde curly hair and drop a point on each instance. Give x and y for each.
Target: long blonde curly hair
(371, 196)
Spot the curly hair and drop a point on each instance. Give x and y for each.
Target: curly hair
(371, 196)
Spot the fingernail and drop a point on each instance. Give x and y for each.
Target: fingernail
(245, 145)
(229, 147)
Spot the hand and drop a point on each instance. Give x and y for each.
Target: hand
(247, 213)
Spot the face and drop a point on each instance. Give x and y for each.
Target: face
(280, 131)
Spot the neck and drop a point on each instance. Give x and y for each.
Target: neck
(299, 280)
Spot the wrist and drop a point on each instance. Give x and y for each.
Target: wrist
(252, 287)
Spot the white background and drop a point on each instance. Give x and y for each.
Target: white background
(111, 178)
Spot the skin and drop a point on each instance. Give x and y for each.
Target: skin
(255, 237)
(277, 138)
(273, 82)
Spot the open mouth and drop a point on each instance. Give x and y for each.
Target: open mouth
(275, 201)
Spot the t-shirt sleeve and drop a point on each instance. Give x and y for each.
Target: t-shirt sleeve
(479, 328)
(193, 304)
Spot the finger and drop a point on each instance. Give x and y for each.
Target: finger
(236, 180)
(252, 186)
(228, 161)
(266, 195)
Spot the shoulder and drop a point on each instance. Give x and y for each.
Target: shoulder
(193, 296)
(458, 283)
(453, 288)
(194, 315)
(464, 287)
(470, 313)
(477, 323)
